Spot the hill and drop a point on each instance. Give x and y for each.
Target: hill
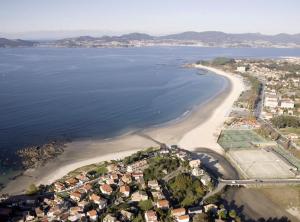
(7, 43)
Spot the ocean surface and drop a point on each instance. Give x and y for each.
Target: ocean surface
(51, 94)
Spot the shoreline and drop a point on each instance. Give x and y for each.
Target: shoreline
(204, 121)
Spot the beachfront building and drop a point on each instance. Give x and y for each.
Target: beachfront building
(271, 101)
(138, 166)
(241, 69)
(71, 181)
(287, 104)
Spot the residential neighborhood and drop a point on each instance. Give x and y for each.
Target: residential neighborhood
(141, 187)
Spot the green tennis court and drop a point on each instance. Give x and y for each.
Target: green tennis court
(239, 139)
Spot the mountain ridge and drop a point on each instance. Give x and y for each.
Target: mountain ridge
(206, 38)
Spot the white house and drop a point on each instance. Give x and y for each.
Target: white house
(241, 69)
(271, 101)
(287, 103)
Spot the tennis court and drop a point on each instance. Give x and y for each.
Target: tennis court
(239, 139)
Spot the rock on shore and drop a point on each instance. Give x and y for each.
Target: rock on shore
(35, 156)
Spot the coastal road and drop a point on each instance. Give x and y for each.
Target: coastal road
(259, 181)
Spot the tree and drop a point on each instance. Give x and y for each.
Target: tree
(200, 218)
(138, 218)
(186, 190)
(145, 205)
(232, 214)
(32, 189)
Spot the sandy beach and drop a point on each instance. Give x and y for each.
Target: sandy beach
(198, 129)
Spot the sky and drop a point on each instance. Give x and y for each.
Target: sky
(155, 17)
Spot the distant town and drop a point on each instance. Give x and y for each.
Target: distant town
(200, 39)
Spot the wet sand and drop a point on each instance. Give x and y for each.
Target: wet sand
(198, 129)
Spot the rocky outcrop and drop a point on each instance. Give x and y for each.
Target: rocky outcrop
(36, 156)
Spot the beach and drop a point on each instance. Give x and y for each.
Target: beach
(200, 128)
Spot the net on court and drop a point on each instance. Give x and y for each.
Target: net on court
(239, 139)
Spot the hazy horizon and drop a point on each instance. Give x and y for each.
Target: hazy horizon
(52, 35)
(34, 19)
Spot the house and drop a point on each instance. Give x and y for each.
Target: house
(126, 178)
(162, 204)
(112, 167)
(197, 172)
(287, 104)
(76, 196)
(92, 215)
(153, 184)
(39, 212)
(125, 190)
(182, 155)
(110, 181)
(205, 179)
(81, 177)
(183, 218)
(158, 195)
(139, 196)
(293, 136)
(53, 211)
(87, 187)
(241, 69)
(178, 212)
(150, 216)
(210, 207)
(137, 166)
(106, 189)
(126, 214)
(71, 181)
(102, 202)
(114, 177)
(195, 210)
(271, 101)
(29, 217)
(137, 175)
(75, 210)
(195, 163)
(164, 150)
(82, 203)
(109, 218)
(74, 218)
(58, 186)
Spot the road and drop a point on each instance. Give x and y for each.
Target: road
(259, 181)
